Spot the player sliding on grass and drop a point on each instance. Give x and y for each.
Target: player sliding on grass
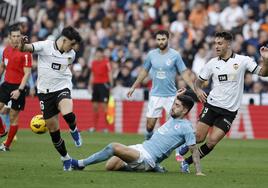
(145, 157)
(54, 86)
(220, 108)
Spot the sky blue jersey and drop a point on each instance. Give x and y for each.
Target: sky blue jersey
(168, 137)
(162, 69)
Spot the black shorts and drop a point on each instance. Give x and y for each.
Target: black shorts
(219, 117)
(101, 92)
(5, 90)
(49, 102)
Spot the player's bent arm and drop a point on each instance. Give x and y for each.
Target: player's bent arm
(196, 159)
(264, 68)
(264, 54)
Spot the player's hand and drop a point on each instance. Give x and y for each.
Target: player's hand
(181, 91)
(24, 39)
(200, 174)
(130, 92)
(264, 52)
(15, 94)
(201, 95)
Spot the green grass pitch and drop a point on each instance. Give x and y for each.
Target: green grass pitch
(34, 163)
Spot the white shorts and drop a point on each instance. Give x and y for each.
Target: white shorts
(145, 161)
(156, 105)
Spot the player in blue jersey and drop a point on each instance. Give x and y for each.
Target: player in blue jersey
(162, 64)
(146, 156)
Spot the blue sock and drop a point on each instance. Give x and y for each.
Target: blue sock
(100, 156)
(148, 135)
(182, 150)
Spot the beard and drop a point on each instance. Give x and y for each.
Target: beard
(173, 115)
(163, 47)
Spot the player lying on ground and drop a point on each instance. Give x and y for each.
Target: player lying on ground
(146, 156)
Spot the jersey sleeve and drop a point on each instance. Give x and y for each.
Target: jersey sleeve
(38, 47)
(180, 65)
(27, 59)
(189, 137)
(251, 65)
(205, 72)
(147, 62)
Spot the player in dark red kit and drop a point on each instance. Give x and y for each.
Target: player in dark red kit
(100, 80)
(17, 66)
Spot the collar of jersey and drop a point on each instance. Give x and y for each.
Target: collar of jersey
(232, 56)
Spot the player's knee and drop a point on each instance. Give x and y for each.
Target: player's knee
(109, 166)
(116, 147)
(199, 137)
(69, 118)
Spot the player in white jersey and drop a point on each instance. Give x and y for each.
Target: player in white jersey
(162, 64)
(221, 105)
(146, 156)
(54, 86)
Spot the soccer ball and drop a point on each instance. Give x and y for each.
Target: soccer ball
(38, 124)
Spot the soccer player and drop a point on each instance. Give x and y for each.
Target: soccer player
(221, 105)
(162, 64)
(146, 156)
(54, 86)
(17, 66)
(100, 82)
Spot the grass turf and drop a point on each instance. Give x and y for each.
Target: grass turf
(33, 162)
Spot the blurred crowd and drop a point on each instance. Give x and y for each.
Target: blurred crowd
(124, 28)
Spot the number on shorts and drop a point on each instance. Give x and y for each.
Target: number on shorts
(205, 110)
(42, 105)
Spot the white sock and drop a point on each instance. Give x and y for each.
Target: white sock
(81, 163)
(66, 157)
(73, 130)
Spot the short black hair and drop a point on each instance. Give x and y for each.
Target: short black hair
(70, 33)
(224, 34)
(186, 101)
(99, 49)
(162, 32)
(13, 28)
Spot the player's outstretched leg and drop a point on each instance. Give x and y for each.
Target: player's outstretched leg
(100, 156)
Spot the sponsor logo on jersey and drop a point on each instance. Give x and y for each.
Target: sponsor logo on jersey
(222, 77)
(55, 66)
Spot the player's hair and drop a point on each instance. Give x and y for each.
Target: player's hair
(224, 34)
(162, 32)
(13, 28)
(186, 101)
(70, 33)
(99, 49)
